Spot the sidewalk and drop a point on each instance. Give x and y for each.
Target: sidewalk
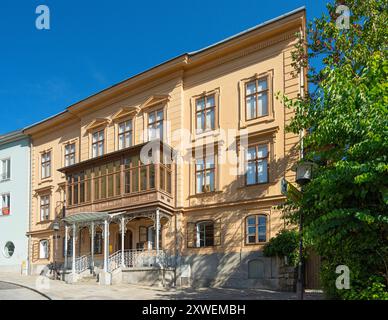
(59, 290)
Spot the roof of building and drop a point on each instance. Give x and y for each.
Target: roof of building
(188, 55)
(12, 136)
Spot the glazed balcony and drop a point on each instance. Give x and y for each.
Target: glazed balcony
(120, 181)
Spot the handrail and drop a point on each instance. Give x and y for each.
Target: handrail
(139, 258)
(82, 263)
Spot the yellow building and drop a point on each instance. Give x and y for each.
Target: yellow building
(203, 217)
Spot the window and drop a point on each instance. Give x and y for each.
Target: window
(9, 249)
(98, 243)
(98, 140)
(256, 98)
(151, 237)
(44, 249)
(256, 229)
(44, 208)
(125, 134)
(257, 171)
(46, 165)
(205, 113)
(5, 204)
(155, 125)
(5, 169)
(205, 234)
(205, 174)
(69, 154)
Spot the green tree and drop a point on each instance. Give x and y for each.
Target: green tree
(345, 118)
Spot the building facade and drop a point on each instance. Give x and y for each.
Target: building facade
(15, 199)
(173, 174)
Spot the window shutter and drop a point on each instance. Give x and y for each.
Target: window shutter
(191, 235)
(217, 232)
(35, 251)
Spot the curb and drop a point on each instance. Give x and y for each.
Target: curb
(29, 288)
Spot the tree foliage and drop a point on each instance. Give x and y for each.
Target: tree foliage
(345, 116)
(284, 244)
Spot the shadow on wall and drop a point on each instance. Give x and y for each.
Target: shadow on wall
(242, 268)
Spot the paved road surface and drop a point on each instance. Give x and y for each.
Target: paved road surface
(58, 290)
(10, 291)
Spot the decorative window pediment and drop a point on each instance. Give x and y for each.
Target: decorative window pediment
(96, 123)
(125, 112)
(155, 100)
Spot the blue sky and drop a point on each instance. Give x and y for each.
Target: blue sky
(94, 44)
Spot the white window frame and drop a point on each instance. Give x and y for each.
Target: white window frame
(126, 134)
(45, 215)
(5, 174)
(152, 127)
(198, 235)
(70, 155)
(5, 197)
(43, 250)
(46, 164)
(99, 143)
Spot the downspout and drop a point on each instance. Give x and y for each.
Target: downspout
(29, 249)
(302, 95)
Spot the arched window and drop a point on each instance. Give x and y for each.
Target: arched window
(256, 229)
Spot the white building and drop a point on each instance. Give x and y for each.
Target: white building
(14, 201)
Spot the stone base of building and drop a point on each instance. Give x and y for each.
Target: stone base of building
(241, 270)
(229, 270)
(14, 269)
(158, 277)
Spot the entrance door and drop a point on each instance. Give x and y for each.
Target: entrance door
(127, 240)
(312, 269)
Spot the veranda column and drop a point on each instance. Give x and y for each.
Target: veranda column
(73, 244)
(106, 245)
(157, 230)
(122, 241)
(66, 245)
(92, 244)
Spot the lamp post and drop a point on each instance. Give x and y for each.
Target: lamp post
(56, 228)
(303, 171)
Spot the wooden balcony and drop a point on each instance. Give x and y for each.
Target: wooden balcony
(120, 181)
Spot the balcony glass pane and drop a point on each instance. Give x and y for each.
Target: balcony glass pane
(162, 178)
(143, 178)
(135, 180)
(127, 182)
(152, 176)
(169, 182)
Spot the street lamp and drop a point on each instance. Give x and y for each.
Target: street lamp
(304, 170)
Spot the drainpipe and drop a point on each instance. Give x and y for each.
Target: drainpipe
(29, 242)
